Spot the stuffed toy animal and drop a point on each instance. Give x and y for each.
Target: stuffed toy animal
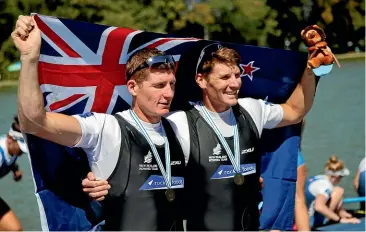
(319, 52)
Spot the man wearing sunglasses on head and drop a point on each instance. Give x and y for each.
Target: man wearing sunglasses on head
(220, 136)
(135, 150)
(222, 182)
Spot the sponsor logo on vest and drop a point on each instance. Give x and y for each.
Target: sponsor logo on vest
(178, 162)
(147, 166)
(227, 171)
(216, 154)
(155, 182)
(217, 150)
(245, 151)
(148, 158)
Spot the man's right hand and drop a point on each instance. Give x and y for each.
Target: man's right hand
(96, 189)
(27, 38)
(350, 220)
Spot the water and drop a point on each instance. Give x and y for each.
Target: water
(18, 195)
(334, 125)
(336, 122)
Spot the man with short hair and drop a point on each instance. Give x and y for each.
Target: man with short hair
(135, 150)
(220, 137)
(223, 170)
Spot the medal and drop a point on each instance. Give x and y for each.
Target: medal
(233, 156)
(166, 174)
(238, 179)
(170, 195)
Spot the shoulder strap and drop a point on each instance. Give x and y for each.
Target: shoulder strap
(238, 111)
(169, 130)
(171, 136)
(192, 116)
(125, 155)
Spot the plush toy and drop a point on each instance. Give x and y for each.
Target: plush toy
(320, 54)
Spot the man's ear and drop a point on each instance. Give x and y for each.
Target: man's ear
(132, 87)
(201, 81)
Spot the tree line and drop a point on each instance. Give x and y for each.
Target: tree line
(271, 23)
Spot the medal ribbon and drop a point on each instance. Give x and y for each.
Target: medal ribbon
(167, 175)
(235, 160)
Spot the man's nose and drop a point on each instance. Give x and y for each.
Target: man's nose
(169, 92)
(235, 82)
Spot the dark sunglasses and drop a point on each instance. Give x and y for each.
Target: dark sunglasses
(207, 54)
(155, 62)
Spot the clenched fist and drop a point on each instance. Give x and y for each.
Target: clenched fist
(27, 38)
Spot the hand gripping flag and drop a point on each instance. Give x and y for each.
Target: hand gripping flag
(82, 69)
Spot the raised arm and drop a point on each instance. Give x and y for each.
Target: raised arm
(33, 118)
(300, 101)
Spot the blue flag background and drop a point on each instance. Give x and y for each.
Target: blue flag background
(82, 69)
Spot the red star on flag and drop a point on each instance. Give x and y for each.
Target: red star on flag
(248, 69)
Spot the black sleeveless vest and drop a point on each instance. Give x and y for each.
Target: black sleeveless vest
(128, 208)
(220, 204)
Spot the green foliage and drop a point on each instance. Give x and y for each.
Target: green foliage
(256, 22)
(242, 19)
(9, 12)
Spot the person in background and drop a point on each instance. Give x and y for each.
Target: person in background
(324, 200)
(301, 211)
(359, 181)
(11, 147)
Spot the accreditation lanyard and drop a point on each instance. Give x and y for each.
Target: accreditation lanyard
(235, 160)
(166, 174)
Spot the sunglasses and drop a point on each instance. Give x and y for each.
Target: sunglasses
(155, 62)
(206, 54)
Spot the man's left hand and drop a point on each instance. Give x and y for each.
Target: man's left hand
(17, 175)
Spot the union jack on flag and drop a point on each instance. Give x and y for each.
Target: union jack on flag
(82, 69)
(92, 60)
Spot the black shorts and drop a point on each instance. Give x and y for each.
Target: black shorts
(4, 208)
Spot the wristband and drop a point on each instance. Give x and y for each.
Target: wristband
(322, 70)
